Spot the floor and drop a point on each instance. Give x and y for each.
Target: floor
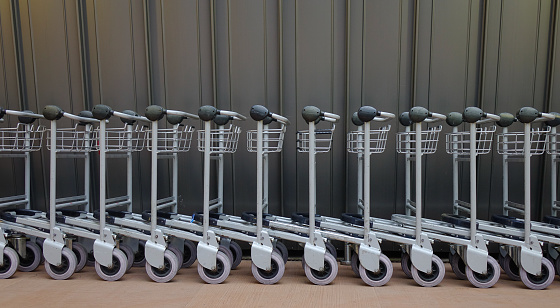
(86, 289)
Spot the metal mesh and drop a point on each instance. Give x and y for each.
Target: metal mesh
(459, 143)
(172, 140)
(222, 140)
(273, 139)
(125, 139)
(553, 144)
(22, 138)
(378, 140)
(323, 140)
(406, 141)
(80, 138)
(513, 143)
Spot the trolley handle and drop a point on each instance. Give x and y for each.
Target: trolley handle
(261, 113)
(104, 112)
(421, 114)
(53, 113)
(368, 113)
(314, 114)
(208, 113)
(155, 113)
(25, 117)
(530, 114)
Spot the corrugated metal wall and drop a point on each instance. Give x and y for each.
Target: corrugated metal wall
(338, 55)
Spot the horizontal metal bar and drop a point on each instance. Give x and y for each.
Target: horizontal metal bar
(117, 199)
(116, 204)
(12, 198)
(70, 155)
(63, 205)
(18, 202)
(165, 200)
(165, 205)
(23, 229)
(73, 198)
(13, 155)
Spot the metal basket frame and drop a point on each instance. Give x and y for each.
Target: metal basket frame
(323, 140)
(378, 140)
(121, 139)
(77, 139)
(459, 142)
(273, 139)
(406, 141)
(222, 140)
(172, 140)
(512, 143)
(22, 138)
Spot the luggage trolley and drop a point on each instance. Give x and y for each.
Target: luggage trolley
(19, 250)
(553, 149)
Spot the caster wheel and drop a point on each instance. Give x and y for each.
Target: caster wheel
(219, 275)
(66, 268)
(406, 264)
(330, 249)
(226, 251)
(355, 264)
(485, 280)
(325, 276)
(11, 262)
(81, 255)
(118, 268)
(32, 258)
(189, 254)
(90, 259)
(511, 268)
(458, 266)
(168, 271)
(543, 280)
(129, 255)
(283, 251)
(432, 279)
(382, 276)
(139, 257)
(557, 265)
(501, 260)
(276, 272)
(237, 254)
(177, 253)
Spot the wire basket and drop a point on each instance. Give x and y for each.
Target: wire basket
(323, 140)
(378, 140)
(553, 144)
(513, 143)
(125, 139)
(22, 138)
(172, 140)
(406, 141)
(459, 143)
(222, 140)
(80, 138)
(273, 139)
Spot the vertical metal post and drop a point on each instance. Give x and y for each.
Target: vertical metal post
(366, 157)
(527, 179)
(102, 174)
(27, 159)
(129, 169)
(265, 170)
(87, 167)
(455, 171)
(52, 177)
(360, 174)
(312, 187)
(175, 168)
(505, 173)
(472, 165)
(418, 190)
(221, 172)
(153, 196)
(553, 158)
(407, 176)
(206, 201)
(259, 178)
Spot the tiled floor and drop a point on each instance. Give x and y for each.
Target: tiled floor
(37, 289)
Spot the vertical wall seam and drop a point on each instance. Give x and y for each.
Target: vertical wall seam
(198, 52)
(36, 86)
(363, 52)
(265, 55)
(347, 103)
(133, 64)
(147, 43)
(163, 43)
(68, 67)
(535, 60)
(4, 73)
(331, 171)
(20, 61)
(232, 165)
(281, 93)
(468, 48)
(551, 55)
(296, 87)
(81, 51)
(414, 53)
(97, 52)
(213, 34)
(496, 94)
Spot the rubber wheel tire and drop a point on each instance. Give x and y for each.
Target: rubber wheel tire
(539, 282)
(406, 264)
(237, 254)
(169, 270)
(189, 254)
(223, 268)
(129, 255)
(557, 265)
(115, 272)
(275, 274)
(510, 268)
(226, 251)
(327, 275)
(433, 279)
(458, 266)
(283, 251)
(32, 259)
(11, 262)
(382, 276)
(331, 249)
(355, 264)
(139, 257)
(485, 280)
(177, 253)
(81, 255)
(66, 268)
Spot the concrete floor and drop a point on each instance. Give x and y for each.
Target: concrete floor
(86, 289)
